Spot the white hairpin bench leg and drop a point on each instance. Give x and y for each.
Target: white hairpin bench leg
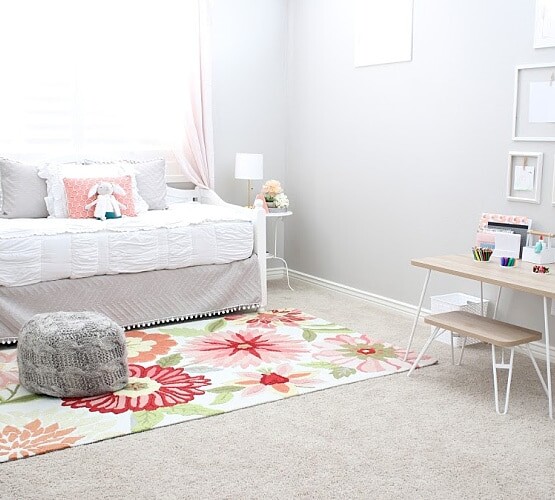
(431, 338)
(418, 312)
(502, 366)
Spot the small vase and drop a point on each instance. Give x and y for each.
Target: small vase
(270, 204)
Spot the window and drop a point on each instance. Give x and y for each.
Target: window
(88, 77)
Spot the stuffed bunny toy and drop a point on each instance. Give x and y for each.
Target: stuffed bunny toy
(107, 207)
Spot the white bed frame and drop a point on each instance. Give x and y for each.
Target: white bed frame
(209, 197)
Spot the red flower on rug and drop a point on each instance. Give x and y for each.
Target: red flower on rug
(144, 346)
(281, 379)
(244, 348)
(34, 439)
(361, 352)
(148, 388)
(287, 317)
(8, 368)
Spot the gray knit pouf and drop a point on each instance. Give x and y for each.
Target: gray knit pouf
(72, 354)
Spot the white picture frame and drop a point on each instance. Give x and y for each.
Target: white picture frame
(382, 32)
(526, 77)
(544, 26)
(517, 189)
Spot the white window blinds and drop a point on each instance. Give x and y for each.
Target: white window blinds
(82, 77)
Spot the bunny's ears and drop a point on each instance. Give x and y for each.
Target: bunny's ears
(92, 190)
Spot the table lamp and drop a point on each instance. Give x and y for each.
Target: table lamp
(248, 166)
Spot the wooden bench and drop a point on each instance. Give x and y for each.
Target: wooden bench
(491, 331)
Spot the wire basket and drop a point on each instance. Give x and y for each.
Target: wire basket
(457, 302)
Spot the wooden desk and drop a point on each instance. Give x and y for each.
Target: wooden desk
(519, 278)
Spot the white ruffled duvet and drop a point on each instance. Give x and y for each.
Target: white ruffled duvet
(187, 234)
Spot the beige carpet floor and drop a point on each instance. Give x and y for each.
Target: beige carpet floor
(435, 435)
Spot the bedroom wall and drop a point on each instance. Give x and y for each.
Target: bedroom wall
(390, 162)
(249, 45)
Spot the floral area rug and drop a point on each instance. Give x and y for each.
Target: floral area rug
(192, 370)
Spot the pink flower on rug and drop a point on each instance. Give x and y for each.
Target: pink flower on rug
(287, 317)
(245, 348)
(361, 352)
(8, 368)
(281, 379)
(34, 439)
(144, 346)
(148, 388)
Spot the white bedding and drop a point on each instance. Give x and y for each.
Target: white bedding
(187, 234)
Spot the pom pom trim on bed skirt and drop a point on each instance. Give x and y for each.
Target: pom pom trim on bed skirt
(172, 319)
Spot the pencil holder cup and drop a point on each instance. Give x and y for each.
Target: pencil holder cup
(481, 254)
(507, 261)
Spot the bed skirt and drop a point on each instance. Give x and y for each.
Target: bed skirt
(140, 299)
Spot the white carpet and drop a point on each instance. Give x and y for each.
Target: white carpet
(435, 435)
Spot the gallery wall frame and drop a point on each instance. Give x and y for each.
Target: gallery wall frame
(534, 96)
(544, 27)
(524, 176)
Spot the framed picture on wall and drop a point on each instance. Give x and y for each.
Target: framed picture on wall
(544, 29)
(524, 176)
(534, 103)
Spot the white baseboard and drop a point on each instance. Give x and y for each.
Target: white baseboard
(279, 272)
(360, 294)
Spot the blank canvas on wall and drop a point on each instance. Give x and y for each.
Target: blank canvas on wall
(544, 32)
(383, 31)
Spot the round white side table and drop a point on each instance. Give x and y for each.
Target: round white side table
(278, 216)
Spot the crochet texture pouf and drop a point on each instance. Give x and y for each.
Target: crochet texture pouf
(72, 354)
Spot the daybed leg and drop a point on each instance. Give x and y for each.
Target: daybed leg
(261, 309)
(431, 338)
(502, 366)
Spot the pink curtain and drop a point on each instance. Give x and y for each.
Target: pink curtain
(195, 151)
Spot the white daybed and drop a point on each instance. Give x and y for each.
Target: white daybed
(198, 258)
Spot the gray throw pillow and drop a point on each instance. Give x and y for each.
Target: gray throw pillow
(151, 180)
(23, 191)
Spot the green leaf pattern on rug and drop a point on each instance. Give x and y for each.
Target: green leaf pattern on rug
(189, 410)
(184, 332)
(144, 420)
(311, 332)
(216, 325)
(336, 371)
(18, 395)
(224, 394)
(171, 360)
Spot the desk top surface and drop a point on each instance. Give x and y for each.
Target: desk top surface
(519, 277)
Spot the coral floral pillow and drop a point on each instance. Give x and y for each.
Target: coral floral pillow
(77, 190)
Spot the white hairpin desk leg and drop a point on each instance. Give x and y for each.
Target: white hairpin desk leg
(547, 358)
(418, 312)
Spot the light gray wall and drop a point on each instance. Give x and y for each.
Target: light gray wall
(249, 46)
(390, 162)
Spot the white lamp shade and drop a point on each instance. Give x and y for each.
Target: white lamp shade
(249, 166)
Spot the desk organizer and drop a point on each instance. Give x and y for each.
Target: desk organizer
(539, 252)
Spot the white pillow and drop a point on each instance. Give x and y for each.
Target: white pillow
(56, 201)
